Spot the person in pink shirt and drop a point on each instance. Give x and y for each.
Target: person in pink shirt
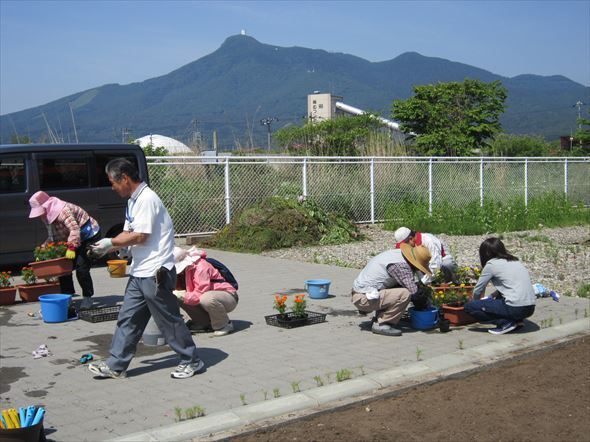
(203, 292)
(70, 223)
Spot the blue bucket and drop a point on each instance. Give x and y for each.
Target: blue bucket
(54, 308)
(318, 288)
(423, 319)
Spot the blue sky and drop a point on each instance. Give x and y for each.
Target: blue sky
(51, 49)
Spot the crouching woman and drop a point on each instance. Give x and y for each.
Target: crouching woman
(203, 292)
(514, 298)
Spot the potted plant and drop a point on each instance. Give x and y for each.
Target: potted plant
(7, 291)
(50, 260)
(31, 290)
(450, 303)
(298, 315)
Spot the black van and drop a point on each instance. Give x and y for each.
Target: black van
(72, 172)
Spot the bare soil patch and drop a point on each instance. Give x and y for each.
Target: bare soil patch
(543, 397)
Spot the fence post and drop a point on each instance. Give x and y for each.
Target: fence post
(430, 186)
(565, 177)
(526, 182)
(372, 168)
(304, 178)
(227, 196)
(481, 182)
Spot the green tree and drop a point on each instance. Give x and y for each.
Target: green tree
(582, 135)
(451, 118)
(342, 136)
(151, 151)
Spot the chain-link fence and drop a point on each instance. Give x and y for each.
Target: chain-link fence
(203, 194)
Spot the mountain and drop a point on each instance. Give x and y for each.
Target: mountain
(244, 80)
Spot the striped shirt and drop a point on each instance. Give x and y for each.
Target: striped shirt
(68, 223)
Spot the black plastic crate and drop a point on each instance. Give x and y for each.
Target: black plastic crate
(292, 321)
(100, 314)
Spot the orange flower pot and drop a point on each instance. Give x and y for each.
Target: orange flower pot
(31, 293)
(52, 267)
(457, 315)
(7, 295)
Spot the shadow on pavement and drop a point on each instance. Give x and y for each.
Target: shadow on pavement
(211, 357)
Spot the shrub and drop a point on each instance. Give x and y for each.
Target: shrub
(278, 222)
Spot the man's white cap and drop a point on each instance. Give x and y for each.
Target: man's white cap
(402, 234)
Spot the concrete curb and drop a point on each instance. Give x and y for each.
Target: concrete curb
(227, 423)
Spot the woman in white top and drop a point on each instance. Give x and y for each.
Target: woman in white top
(514, 298)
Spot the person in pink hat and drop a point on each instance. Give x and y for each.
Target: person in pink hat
(72, 224)
(205, 295)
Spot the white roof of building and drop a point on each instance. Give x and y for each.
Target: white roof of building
(174, 147)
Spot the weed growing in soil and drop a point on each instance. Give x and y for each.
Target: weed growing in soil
(550, 210)
(584, 291)
(243, 398)
(318, 380)
(178, 413)
(276, 392)
(265, 394)
(295, 386)
(460, 344)
(362, 369)
(343, 375)
(418, 353)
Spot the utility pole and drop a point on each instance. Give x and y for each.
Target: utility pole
(267, 122)
(124, 134)
(579, 105)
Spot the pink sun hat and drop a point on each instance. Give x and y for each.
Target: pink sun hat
(53, 206)
(36, 203)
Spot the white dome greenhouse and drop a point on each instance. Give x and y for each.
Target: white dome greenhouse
(174, 147)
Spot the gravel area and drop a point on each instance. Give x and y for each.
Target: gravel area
(558, 258)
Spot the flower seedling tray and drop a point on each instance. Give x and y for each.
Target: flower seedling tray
(289, 320)
(100, 314)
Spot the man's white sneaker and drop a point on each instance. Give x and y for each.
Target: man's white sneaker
(101, 369)
(226, 330)
(184, 371)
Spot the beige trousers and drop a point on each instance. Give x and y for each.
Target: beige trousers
(390, 305)
(212, 309)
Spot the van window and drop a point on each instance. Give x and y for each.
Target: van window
(13, 178)
(63, 173)
(101, 161)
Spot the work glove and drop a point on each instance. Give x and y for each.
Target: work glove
(420, 299)
(71, 254)
(124, 253)
(179, 294)
(101, 247)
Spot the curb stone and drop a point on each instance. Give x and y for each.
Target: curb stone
(252, 417)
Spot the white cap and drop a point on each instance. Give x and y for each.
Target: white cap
(402, 234)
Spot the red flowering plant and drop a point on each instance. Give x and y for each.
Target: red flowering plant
(51, 250)
(5, 279)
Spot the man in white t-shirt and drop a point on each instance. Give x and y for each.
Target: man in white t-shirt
(149, 235)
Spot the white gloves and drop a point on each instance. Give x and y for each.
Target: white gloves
(179, 294)
(372, 294)
(101, 247)
(124, 253)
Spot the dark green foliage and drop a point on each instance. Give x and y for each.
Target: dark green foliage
(551, 210)
(505, 145)
(452, 119)
(343, 136)
(245, 80)
(278, 222)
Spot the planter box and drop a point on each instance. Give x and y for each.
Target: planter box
(7, 295)
(31, 293)
(289, 320)
(52, 267)
(457, 315)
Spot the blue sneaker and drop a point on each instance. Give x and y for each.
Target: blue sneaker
(554, 295)
(506, 328)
